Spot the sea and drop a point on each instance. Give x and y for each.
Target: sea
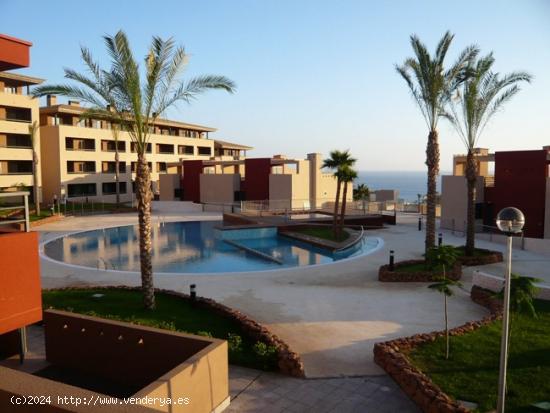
(408, 183)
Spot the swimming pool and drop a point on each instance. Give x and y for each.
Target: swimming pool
(194, 247)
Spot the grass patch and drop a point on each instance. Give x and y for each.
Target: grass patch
(471, 373)
(323, 233)
(171, 313)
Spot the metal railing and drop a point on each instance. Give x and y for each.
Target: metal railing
(14, 207)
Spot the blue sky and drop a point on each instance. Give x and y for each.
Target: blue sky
(312, 75)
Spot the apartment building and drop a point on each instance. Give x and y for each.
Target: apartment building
(81, 153)
(18, 110)
(275, 183)
(520, 179)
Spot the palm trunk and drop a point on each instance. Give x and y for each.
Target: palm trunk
(35, 182)
(471, 177)
(343, 213)
(446, 330)
(336, 205)
(432, 161)
(117, 174)
(143, 194)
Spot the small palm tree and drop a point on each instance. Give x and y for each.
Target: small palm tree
(124, 95)
(481, 96)
(361, 193)
(431, 86)
(36, 191)
(443, 257)
(336, 160)
(347, 175)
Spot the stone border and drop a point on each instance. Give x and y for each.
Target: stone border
(288, 361)
(491, 257)
(391, 356)
(385, 275)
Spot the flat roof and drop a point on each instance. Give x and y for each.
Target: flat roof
(21, 78)
(15, 39)
(230, 145)
(77, 110)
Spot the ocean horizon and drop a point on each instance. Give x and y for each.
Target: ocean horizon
(408, 183)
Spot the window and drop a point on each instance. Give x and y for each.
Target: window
(75, 190)
(15, 167)
(109, 167)
(108, 188)
(79, 144)
(204, 150)
(10, 89)
(133, 166)
(161, 167)
(17, 114)
(165, 148)
(15, 140)
(109, 146)
(79, 167)
(133, 147)
(186, 150)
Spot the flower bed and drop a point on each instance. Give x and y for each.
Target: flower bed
(399, 274)
(391, 356)
(481, 257)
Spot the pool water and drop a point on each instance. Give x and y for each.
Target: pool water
(194, 247)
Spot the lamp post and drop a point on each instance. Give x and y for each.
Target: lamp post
(510, 221)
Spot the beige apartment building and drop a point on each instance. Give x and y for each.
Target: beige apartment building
(18, 110)
(80, 153)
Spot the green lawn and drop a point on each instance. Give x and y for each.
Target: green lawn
(171, 313)
(471, 373)
(323, 233)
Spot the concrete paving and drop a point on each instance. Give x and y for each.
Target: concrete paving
(331, 315)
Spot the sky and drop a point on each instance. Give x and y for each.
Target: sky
(311, 76)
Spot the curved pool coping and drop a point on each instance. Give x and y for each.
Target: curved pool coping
(43, 256)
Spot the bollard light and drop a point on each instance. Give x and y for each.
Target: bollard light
(440, 239)
(391, 266)
(193, 291)
(510, 221)
(420, 223)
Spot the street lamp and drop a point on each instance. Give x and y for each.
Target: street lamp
(510, 221)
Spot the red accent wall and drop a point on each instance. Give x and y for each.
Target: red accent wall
(191, 182)
(256, 182)
(20, 292)
(520, 181)
(14, 53)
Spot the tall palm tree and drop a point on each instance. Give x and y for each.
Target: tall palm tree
(347, 176)
(479, 98)
(431, 86)
(335, 161)
(135, 100)
(35, 190)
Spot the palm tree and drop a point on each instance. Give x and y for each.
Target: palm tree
(361, 192)
(35, 190)
(347, 175)
(443, 257)
(481, 96)
(431, 86)
(135, 100)
(336, 160)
